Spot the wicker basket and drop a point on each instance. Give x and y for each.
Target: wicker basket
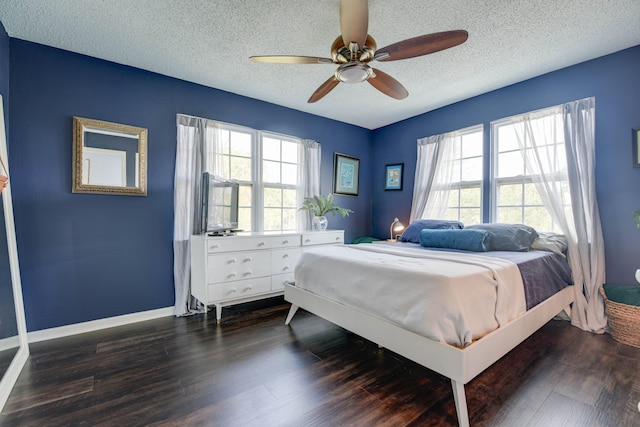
(624, 321)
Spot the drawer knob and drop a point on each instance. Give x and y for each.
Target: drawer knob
(248, 288)
(248, 259)
(285, 242)
(233, 290)
(232, 261)
(261, 244)
(248, 273)
(285, 268)
(285, 256)
(338, 239)
(307, 241)
(215, 246)
(231, 276)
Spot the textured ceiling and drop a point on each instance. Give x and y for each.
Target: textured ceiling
(209, 42)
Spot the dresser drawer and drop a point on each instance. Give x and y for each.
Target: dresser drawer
(284, 260)
(238, 289)
(278, 281)
(238, 266)
(232, 244)
(322, 238)
(285, 241)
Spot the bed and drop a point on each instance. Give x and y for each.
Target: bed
(468, 340)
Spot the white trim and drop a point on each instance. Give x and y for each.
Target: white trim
(96, 325)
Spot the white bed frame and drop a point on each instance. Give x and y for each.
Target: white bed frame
(461, 365)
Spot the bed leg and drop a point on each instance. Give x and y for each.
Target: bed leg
(292, 312)
(461, 403)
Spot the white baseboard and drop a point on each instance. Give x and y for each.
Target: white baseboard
(96, 325)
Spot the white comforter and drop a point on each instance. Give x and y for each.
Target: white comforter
(446, 296)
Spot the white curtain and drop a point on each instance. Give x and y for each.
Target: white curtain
(308, 178)
(192, 153)
(536, 136)
(434, 175)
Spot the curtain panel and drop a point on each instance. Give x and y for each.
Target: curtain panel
(582, 226)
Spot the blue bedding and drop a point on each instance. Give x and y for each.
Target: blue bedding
(543, 273)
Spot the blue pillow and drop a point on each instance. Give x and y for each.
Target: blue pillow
(468, 240)
(412, 232)
(507, 237)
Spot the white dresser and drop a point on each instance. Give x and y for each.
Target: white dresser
(249, 266)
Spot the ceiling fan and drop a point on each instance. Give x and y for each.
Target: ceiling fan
(354, 49)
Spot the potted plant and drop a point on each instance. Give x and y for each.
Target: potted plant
(636, 218)
(320, 206)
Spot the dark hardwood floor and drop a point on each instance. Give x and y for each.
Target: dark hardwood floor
(252, 370)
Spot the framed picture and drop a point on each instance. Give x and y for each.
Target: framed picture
(393, 177)
(635, 138)
(345, 174)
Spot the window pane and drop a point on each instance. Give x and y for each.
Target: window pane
(454, 199)
(240, 144)
(289, 174)
(510, 195)
(290, 151)
(470, 197)
(510, 215)
(507, 139)
(289, 198)
(244, 196)
(451, 214)
(531, 195)
(289, 219)
(223, 139)
(455, 172)
(244, 219)
(271, 172)
(538, 218)
(272, 219)
(470, 216)
(510, 164)
(270, 149)
(472, 145)
(272, 197)
(240, 168)
(472, 169)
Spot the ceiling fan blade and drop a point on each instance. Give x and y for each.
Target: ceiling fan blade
(291, 59)
(421, 45)
(324, 89)
(354, 22)
(388, 85)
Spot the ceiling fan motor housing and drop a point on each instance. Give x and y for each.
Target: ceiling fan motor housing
(353, 72)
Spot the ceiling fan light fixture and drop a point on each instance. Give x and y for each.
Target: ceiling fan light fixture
(353, 72)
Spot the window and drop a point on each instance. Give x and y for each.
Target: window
(515, 197)
(280, 179)
(465, 194)
(266, 166)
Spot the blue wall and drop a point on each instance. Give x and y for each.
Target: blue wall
(614, 80)
(87, 256)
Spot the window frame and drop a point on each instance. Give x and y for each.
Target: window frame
(257, 184)
(525, 178)
(463, 184)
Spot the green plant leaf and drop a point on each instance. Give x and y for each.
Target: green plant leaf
(323, 205)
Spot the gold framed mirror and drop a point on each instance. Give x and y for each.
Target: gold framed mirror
(109, 158)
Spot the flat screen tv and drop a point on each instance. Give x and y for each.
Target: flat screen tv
(219, 205)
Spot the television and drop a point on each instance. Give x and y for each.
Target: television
(219, 205)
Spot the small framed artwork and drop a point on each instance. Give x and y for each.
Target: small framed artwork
(635, 138)
(345, 174)
(393, 177)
